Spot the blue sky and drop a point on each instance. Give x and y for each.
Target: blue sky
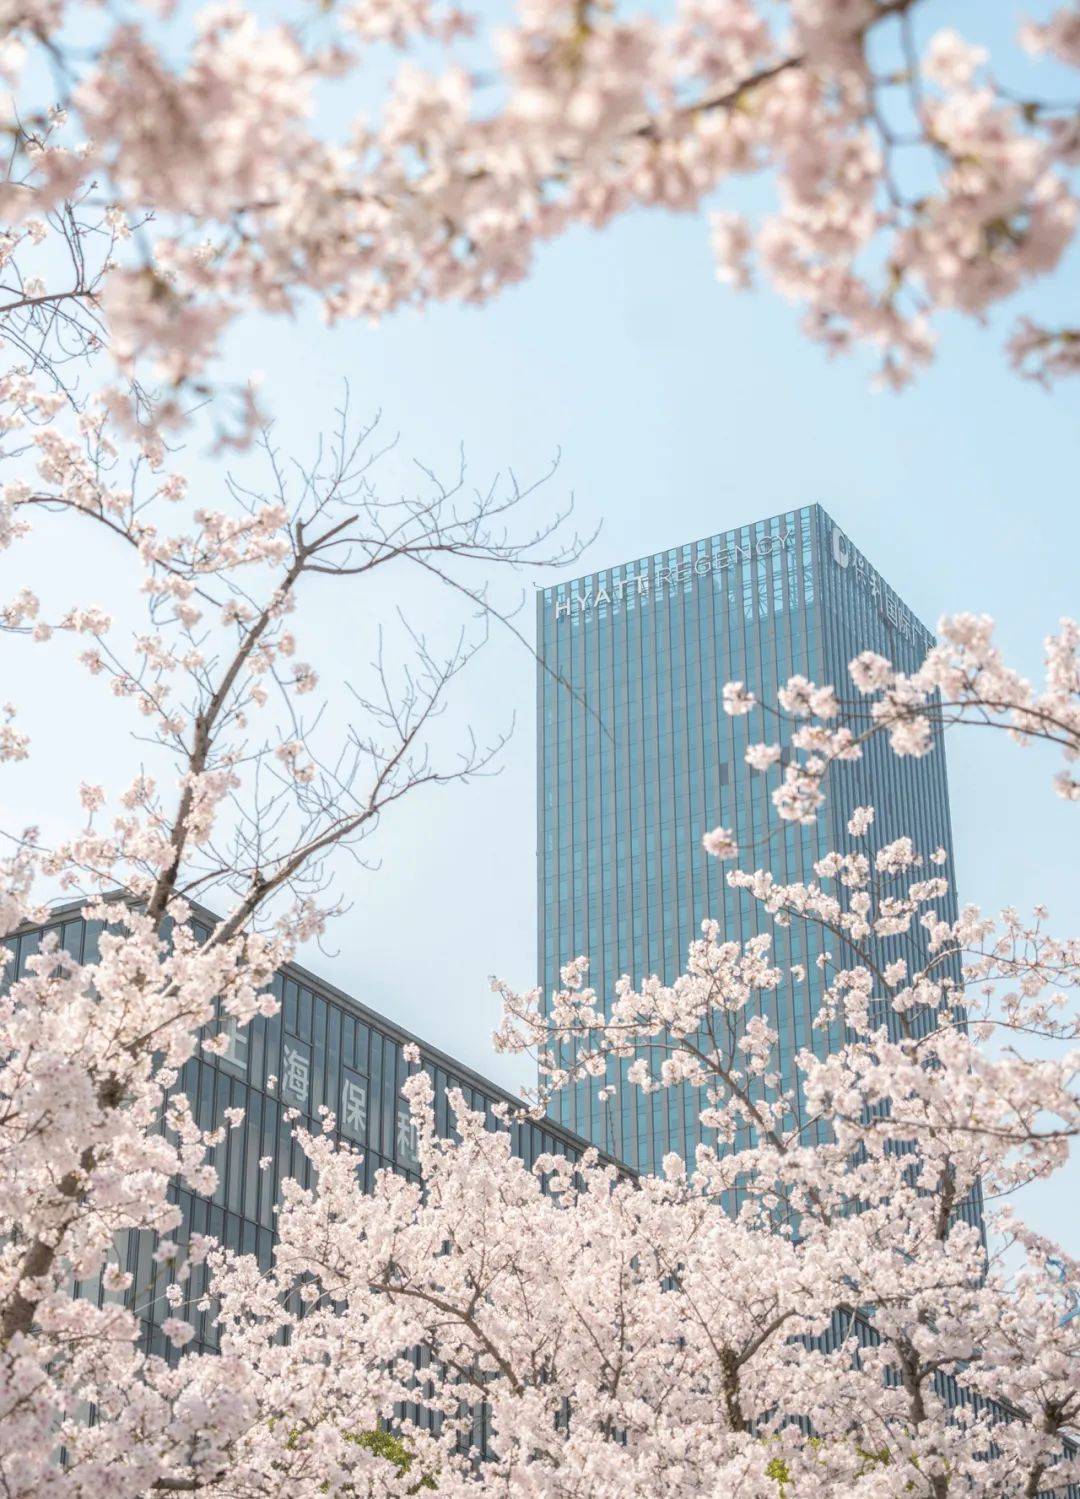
(680, 409)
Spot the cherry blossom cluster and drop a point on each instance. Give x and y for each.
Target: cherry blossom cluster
(963, 679)
(925, 1129)
(619, 1334)
(914, 1024)
(211, 135)
(90, 1056)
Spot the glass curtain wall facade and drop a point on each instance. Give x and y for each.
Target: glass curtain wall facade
(637, 759)
(322, 1048)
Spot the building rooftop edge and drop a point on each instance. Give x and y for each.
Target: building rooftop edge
(543, 592)
(678, 546)
(461, 1070)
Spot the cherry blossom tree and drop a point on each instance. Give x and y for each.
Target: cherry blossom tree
(936, 1108)
(237, 792)
(173, 169)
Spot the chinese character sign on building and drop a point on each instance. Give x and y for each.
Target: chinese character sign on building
(354, 1100)
(296, 1073)
(406, 1143)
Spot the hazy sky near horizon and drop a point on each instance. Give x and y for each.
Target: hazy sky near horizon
(679, 409)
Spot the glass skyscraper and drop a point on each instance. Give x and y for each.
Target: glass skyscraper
(637, 759)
